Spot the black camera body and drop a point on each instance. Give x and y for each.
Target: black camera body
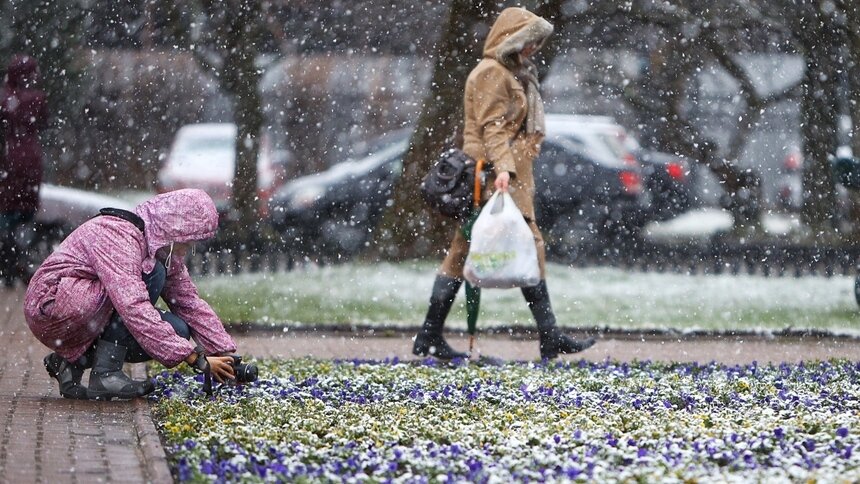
(244, 372)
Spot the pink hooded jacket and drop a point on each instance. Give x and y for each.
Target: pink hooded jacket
(99, 268)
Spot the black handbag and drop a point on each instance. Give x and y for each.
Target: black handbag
(449, 186)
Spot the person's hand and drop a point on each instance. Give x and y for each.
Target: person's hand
(221, 367)
(503, 180)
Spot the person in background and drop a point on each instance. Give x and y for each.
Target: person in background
(504, 126)
(93, 300)
(23, 114)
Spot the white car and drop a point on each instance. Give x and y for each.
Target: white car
(204, 156)
(61, 210)
(70, 207)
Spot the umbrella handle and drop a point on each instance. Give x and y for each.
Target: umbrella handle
(471, 343)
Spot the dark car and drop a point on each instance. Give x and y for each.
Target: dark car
(667, 179)
(333, 212)
(583, 194)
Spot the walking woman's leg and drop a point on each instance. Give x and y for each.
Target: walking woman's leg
(552, 340)
(429, 340)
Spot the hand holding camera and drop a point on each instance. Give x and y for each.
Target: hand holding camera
(230, 369)
(225, 369)
(221, 368)
(243, 372)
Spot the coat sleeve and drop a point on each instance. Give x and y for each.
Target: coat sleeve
(115, 255)
(492, 104)
(182, 298)
(42, 122)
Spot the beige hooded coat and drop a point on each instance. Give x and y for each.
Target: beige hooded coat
(496, 108)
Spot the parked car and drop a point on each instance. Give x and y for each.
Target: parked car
(61, 210)
(586, 194)
(583, 194)
(204, 156)
(666, 176)
(333, 212)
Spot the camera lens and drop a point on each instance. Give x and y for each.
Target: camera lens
(246, 373)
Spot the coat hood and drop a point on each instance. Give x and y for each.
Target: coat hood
(179, 216)
(22, 72)
(513, 30)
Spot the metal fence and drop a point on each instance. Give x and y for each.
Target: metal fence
(754, 259)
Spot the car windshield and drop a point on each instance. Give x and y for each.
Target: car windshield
(614, 143)
(209, 144)
(354, 168)
(593, 147)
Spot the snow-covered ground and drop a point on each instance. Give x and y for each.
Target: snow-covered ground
(397, 294)
(700, 224)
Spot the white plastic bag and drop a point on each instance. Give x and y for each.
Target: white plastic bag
(502, 252)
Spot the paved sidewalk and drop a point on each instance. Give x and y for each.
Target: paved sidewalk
(731, 350)
(50, 439)
(47, 438)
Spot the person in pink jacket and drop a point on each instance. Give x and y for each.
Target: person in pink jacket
(93, 300)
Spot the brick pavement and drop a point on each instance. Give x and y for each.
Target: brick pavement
(50, 439)
(47, 438)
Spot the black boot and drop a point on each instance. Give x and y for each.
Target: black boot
(429, 341)
(107, 381)
(552, 340)
(68, 375)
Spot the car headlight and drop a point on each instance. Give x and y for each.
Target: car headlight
(305, 197)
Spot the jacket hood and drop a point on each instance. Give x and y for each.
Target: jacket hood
(22, 72)
(512, 31)
(179, 216)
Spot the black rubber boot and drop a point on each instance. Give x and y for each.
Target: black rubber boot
(107, 381)
(552, 340)
(68, 375)
(429, 341)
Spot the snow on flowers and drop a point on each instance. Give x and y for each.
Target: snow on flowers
(424, 421)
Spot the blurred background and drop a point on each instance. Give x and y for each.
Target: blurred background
(740, 105)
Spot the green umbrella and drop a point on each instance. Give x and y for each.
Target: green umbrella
(473, 294)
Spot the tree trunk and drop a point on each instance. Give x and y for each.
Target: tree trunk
(820, 127)
(409, 228)
(248, 116)
(240, 78)
(853, 28)
(553, 13)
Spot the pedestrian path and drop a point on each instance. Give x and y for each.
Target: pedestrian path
(730, 350)
(47, 438)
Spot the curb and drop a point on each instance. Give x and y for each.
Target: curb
(152, 453)
(525, 332)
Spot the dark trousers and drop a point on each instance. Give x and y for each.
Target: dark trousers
(116, 331)
(11, 256)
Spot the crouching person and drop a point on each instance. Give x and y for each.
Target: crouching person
(93, 300)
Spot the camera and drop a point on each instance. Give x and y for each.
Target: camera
(245, 372)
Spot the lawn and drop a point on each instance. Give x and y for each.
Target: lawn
(395, 295)
(369, 421)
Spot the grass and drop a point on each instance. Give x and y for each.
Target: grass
(396, 295)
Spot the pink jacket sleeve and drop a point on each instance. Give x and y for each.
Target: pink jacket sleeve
(182, 297)
(115, 257)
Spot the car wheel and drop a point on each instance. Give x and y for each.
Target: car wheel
(572, 239)
(340, 238)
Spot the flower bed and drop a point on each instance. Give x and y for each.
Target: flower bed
(310, 420)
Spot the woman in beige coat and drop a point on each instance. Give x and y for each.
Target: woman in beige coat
(504, 125)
